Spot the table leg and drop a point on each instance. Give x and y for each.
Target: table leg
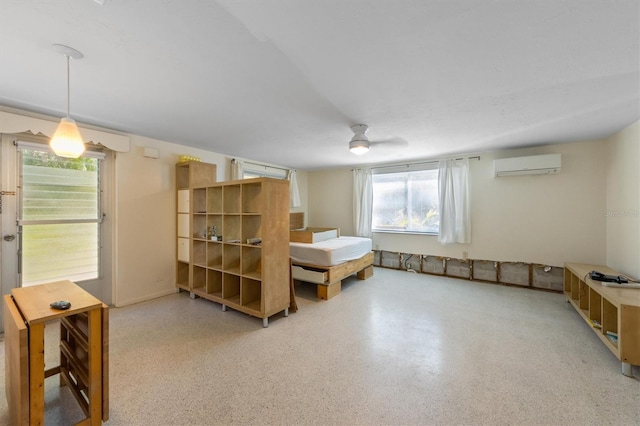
(95, 366)
(36, 374)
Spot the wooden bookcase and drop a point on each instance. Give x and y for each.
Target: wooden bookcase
(613, 313)
(245, 265)
(189, 175)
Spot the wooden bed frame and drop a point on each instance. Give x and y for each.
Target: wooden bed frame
(329, 278)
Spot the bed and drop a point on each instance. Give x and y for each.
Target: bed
(327, 258)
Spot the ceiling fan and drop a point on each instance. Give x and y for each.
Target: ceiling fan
(360, 143)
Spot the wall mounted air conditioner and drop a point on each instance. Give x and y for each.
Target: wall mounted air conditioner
(532, 165)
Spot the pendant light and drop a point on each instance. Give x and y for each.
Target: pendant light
(67, 141)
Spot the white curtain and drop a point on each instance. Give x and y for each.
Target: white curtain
(237, 169)
(362, 202)
(294, 192)
(453, 185)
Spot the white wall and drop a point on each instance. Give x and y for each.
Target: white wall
(303, 184)
(145, 249)
(623, 201)
(330, 199)
(538, 219)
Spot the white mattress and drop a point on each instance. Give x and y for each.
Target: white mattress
(330, 252)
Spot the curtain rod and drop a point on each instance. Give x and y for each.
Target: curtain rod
(387, 166)
(262, 165)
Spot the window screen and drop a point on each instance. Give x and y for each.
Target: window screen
(60, 216)
(406, 202)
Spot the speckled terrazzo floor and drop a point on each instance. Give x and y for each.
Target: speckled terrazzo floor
(399, 348)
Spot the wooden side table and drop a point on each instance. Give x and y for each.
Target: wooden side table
(83, 350)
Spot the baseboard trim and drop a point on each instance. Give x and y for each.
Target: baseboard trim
(120, 304)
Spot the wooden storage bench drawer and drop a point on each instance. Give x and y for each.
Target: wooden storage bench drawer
(309, 275)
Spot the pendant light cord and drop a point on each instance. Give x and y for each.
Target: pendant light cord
(68, 88)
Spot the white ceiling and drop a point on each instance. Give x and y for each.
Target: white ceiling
(281, 81)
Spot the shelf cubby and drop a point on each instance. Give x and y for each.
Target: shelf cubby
(183, 225)
(609, 317)
(214, 283)
(231, 288)
(583, 292)
(214, 220)
(251, 227)
(575, 291)
(199, 200)
(595, 306)
(251, 293)
(231, 199)
(199, 226)
(199, 277)
(231, 225)
(214, 200)
(182, 177)
(182, 274)
(183, 201)
(231, 258)
(252, 262)
(199, 253)
(252, 198)
(214, 255)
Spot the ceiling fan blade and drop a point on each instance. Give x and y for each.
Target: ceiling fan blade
(360, 143)
(395, 142)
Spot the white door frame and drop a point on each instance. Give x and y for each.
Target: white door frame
(102, 288)
(8, 219)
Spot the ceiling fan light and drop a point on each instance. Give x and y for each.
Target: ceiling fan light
(359, 147)
(67, 141)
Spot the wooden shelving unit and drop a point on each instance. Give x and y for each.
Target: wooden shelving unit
(191, 218)
(236, 271)
(614, 313)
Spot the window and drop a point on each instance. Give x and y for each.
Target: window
(59, 216)
(406, 202)
(245, 170)
(253, 171)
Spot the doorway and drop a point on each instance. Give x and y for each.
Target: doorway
(56, 216)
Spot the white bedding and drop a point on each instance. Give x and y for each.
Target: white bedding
(330, 252)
